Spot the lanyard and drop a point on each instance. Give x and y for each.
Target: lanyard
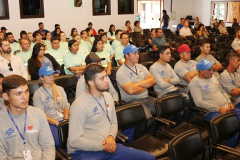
(24, 131)
(101, 105)
(131, 69)
(47, 92)
(233, 80)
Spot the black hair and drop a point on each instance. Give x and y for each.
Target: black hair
(90, 23)
(110, 29)
(2, 40)
(164, 11)
(21, 33)
(90, 72)
(35, 52)
(127, 22)
(231, 56)
(73, 29)
(220, 21)
(56, 25)
(71, 42)
(54, 38)
(36, 33)
(101, 35)
(82, 32)
(40, 23)
(136, 22)
(123, 34)
(156, 30)
(94, 47)
(100, 30)
(1, 75)
(203, 42)
(118, 30)
(55, 32)
(9, 33)
(200, 25)
(162, 48)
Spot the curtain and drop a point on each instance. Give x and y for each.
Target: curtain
(233, 11)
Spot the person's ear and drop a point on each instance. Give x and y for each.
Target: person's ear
(91, 83)
(5, 96)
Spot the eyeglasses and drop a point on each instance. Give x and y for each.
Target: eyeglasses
(10, 67)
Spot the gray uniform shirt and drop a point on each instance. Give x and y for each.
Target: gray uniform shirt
(2, 105)
(236, 44)
(161, 72)
(82, 88)
(38, 136)
(181, 68)
(124, 74)
(89, 125)
(43, 100)
(212, 60)
(208, 94)
(230, 80)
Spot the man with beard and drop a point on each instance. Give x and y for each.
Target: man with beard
(230, 79)
(9, 63)
(93, 124)
(14, 45)
(236, 43)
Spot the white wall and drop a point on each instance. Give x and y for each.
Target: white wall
(59, 11)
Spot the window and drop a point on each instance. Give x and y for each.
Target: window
(125, 6)
(31, 9)
(4, 13)
(219, 11)
(101, 7)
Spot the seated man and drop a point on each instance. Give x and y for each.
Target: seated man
(133, 80)
(14, 45)
(86, 41)
(56, 51)
(230, 79)
(236, 43)
(180, 25)
(25, 133)
(208, 94)
(26, 52)
(222, 29)
(93, 123)
(165, 76)
(119, 56)
(205, 54)
(9, 63)
(186, 31)
(2, 105)
(117, 41)
(93, 58)
(185, 68)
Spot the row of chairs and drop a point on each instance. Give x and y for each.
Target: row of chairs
(185, 143)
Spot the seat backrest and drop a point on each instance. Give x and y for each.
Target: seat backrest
(147, 64)
(186, 146)
(63, 134)
(224, 126)
(130, 115)
(33, 86)
(143, 57)
(114, 73)
(62, 71)
(168, 105)
(224, 52)
(66, 81)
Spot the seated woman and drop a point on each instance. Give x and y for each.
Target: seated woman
(202, 32)
(90, 35)
(39, 59)
(106, 46)
(73, 33)
(48, 40)
(137, 27)
(74, 61)
(98, 49)
(127, 28)
(52, 100)
(111, 33)
(149, 39)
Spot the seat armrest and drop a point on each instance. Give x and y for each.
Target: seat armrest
(59, 156)
(181, 86)
(165, 121)
(64, 153)
(121, 136)
(228, 149)
(198, 109)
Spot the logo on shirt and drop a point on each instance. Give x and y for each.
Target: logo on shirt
(9, 133)
(131, 74)
(162, 73)
(216, 84)
(0, 108)
(48, 99)
(95, 110)
(188, 68)
(206, 86)
(30, 127)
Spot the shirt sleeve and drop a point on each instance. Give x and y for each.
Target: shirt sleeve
(180, 70)
(181, 31)
(37, 100)
(3, 151)
(46, 142)
(118, 54)
(113, 92)
(67, 61)
(195, 90)
(160, 82)
(145, 70)
(24, 71)
(235, 45)
(64, 96)
(154, 43)
(226, 82)
(122, 77)
(81, 87)
(174, 79)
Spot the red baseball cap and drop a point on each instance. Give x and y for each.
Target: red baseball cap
(184, 48)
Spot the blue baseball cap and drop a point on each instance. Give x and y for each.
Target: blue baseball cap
(47, 71)
(130, 49)
(204, 65)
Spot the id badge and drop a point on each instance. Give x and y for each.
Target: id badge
(60, 114)
(27, 155)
